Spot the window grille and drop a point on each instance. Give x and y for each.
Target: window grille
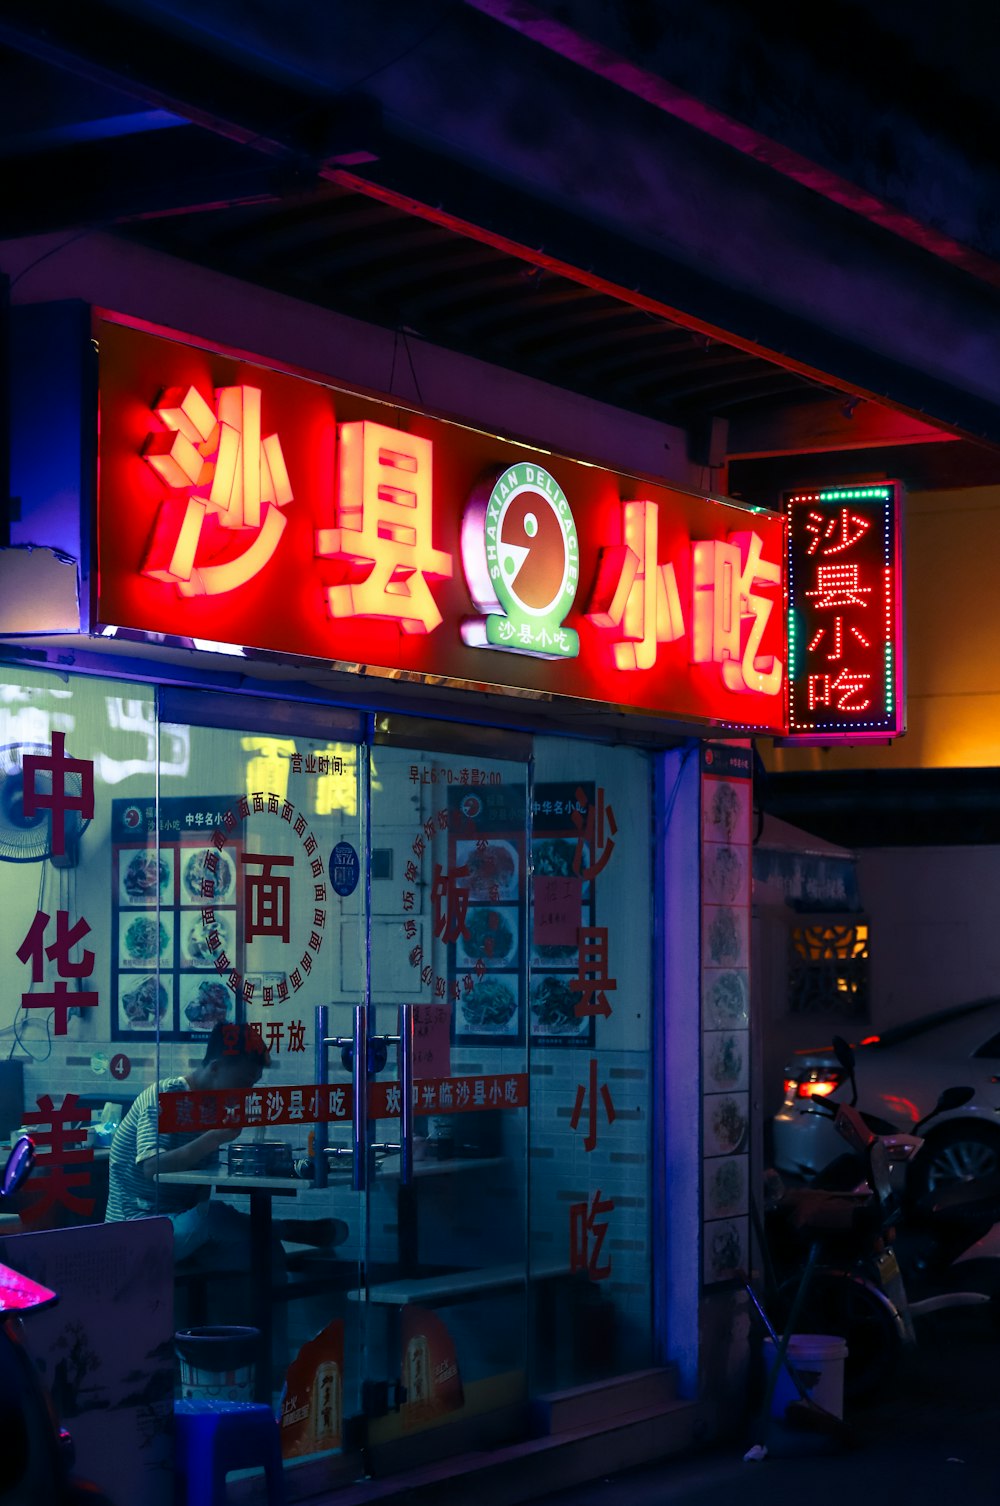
(828, 968)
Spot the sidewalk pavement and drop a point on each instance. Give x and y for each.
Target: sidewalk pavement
(933, 1436)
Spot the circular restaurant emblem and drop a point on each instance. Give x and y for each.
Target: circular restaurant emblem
(521, 557)
(345, 869)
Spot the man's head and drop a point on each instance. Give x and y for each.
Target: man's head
(235, 1056)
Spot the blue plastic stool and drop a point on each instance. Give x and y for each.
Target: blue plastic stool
(214, 1437)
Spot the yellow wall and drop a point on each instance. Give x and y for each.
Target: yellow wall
(951, 545)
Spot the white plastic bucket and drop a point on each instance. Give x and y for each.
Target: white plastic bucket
(818, 1360)
(217, 1364)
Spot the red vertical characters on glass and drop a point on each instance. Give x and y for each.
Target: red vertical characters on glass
(590, 1095)
(64, 1158)
(59, 998)
(587, 1237)
(58, 784)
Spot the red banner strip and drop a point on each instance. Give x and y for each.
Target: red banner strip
(310, 1104)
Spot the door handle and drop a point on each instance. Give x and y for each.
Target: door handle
(354, 1054)
(359, 1114)
(406, 1020)
(403, 1042)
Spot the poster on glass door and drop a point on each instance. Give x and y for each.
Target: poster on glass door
(479, 912)
(175, 914)
(562, 914)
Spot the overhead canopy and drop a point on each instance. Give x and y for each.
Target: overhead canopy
(793, 868)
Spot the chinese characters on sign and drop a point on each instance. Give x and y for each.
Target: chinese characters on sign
(228, 482)
(845, 630)
(383, 547)
(426, 546)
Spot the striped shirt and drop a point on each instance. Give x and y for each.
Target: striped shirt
(131, 1194)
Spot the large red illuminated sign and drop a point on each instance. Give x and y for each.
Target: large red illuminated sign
(243, 505)
(844, 613)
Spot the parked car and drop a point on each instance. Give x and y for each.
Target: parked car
(900, 1074)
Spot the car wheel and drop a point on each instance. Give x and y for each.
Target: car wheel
(962, 1151)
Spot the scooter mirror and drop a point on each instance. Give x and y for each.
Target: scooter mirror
(951, 1098)
(954, 1098)
(844, 1052)
(18, 1167)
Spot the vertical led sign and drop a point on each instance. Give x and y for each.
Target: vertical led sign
(845, 641)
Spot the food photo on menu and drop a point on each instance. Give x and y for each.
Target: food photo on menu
(144, 1000)
(725, 996)
(553, 1008)
(490, 1008)
(196, 871)
(145, 877)
(493, 869)
(490, 934)
(145, 941)
(726, 1123)
(205, 1004)
(196, 948)
(561, 857)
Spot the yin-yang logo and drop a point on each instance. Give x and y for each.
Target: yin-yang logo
(522, 563)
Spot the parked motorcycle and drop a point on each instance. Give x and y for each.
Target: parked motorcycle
(36, 1454)
(878, 1256)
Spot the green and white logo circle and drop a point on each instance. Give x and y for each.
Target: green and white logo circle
(522, 558)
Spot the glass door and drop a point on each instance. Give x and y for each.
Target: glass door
(408, 918)
(261, 833)
(356, 914)
(446, 1280)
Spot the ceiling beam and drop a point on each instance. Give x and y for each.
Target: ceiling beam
(597, 39)
(106, 183)
(827, 424)
(645, 233)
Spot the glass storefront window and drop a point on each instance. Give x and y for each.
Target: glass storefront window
(232, 926)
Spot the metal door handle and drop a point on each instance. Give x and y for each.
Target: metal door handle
(320, 1132)
(406, 1094)
(321, 1135)
(403, 1042)
(359, 1116)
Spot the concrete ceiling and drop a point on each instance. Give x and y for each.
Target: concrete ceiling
(697, 213)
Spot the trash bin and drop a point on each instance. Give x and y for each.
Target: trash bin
(217, 1364)
(818, 1360)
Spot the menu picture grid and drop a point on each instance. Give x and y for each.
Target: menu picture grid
(175, 918)
(562, 907)
(726, 801)
(143, 890)
(209, 939)
(486, 940)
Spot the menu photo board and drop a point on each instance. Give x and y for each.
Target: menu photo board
(487, 936)
(176, 922)
(726, 809)
(562, 913)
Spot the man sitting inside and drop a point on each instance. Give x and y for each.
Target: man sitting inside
(235, 1057)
